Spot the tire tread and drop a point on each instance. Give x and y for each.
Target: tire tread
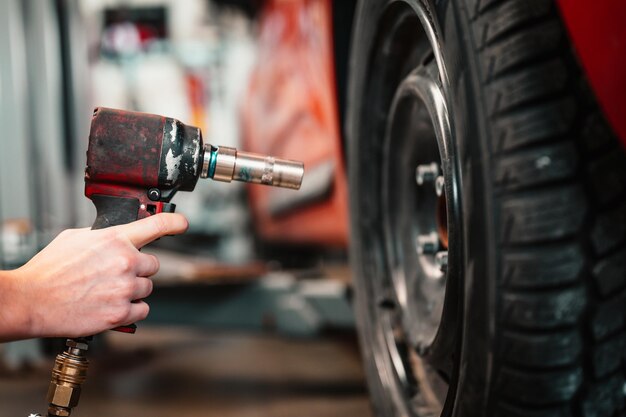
(559, 180)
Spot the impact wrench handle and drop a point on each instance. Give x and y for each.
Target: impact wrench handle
(113, 211)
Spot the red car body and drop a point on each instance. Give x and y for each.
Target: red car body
(598, 32)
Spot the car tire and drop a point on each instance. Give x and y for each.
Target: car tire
(532, 316)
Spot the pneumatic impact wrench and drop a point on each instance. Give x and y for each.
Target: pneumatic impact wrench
(136, 162)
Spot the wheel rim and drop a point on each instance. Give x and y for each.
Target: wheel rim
(415, 318)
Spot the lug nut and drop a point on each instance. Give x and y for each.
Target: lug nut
(428, 244)
(426, 173)
(440, 183)
(441, 260)
(420, 348)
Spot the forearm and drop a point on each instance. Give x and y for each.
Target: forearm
(15, 318)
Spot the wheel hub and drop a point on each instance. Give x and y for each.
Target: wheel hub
(418, 114)
(417, 197)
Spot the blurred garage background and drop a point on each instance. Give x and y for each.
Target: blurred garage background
(488, 203)
(251, 309)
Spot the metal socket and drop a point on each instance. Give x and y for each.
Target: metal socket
(231, 164)
(426, 173)
(428, 244)
(225, 162)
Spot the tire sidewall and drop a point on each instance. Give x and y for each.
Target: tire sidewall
(479, 326)
(365, 17)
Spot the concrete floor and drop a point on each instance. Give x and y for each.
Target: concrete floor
(177, 372)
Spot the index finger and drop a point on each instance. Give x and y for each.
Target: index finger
(151, 228)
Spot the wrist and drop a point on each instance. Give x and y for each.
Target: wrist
(16, 319)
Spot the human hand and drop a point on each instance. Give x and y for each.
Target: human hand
(84, 281)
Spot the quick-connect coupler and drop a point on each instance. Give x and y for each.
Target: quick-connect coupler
(227, 164)
(68, 374)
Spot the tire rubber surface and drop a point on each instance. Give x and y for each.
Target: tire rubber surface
(543, 188)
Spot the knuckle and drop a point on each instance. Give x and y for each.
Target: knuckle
(119, 315)
(129, 290)
(125, 263)
(149, 287)
(145, 310)
(157, 264)
(109, 238)
(123, 290)
(116, 238)
(143, 288)
(111, 234)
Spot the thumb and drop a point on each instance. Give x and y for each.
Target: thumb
(151, 228)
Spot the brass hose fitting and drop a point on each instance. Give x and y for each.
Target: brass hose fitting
(68, 374)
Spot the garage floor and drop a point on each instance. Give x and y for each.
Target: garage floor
(174, 372)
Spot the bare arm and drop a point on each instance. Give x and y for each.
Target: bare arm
(84, 281)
